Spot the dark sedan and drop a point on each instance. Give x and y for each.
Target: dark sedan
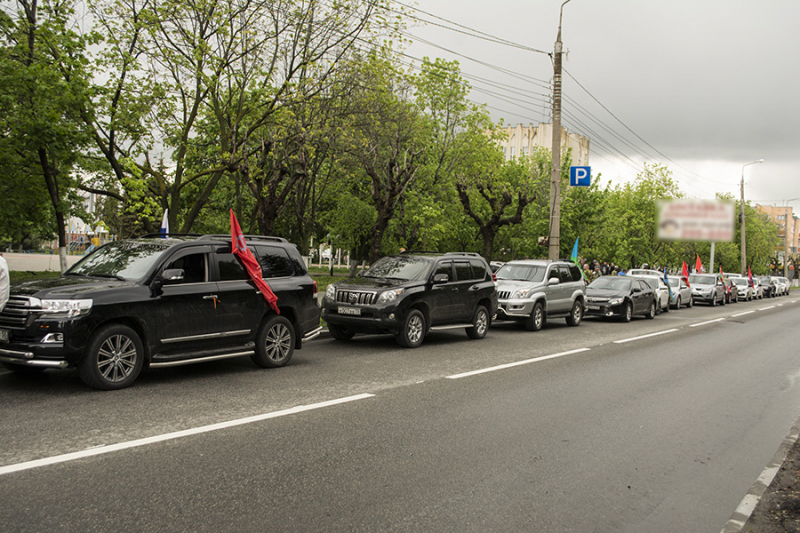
(620, 296)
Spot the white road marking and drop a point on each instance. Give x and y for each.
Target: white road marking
(742, 314)
(8, 469)
(765, 308)
(707, 322)
(518, 363)
(645, 336)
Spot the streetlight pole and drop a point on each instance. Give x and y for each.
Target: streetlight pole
(744, 248)
(555, 167)
(786, 238)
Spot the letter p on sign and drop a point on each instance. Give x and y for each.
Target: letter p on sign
(580, 176)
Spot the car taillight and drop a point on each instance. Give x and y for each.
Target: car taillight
(316, 289)
(494, 277)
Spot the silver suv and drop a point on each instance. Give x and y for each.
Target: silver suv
(531, 291)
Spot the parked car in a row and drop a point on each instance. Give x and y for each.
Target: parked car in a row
(621, 296)
(707, 288)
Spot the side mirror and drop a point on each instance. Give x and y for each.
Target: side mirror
(441, 278)
(553, 281)
(172, 274)
(636, 290)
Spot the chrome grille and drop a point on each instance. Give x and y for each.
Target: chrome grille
(355, 297)
(16, 312)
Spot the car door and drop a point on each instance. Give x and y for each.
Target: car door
(240, 305)
(467, 290)
(444, 295)
(642, 298)
(185, 314)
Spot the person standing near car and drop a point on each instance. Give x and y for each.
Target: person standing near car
(4, 283)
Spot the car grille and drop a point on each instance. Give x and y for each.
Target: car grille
(596, 300)
(16, 313)
(355, 297)
(504, 295)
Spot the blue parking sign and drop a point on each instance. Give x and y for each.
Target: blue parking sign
(580, 176)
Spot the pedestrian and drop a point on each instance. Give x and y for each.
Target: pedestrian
(4, 283)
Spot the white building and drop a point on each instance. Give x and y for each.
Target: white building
(521, 140)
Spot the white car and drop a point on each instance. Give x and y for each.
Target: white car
(743, 288)
(661, 290)
(758, 289)
(645, 272)
(681, 292)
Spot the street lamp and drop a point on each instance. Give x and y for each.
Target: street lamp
(744, 248)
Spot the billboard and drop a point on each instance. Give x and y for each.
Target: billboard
(695, 220)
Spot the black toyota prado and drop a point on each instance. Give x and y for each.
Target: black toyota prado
(160, 302)
(410, 294)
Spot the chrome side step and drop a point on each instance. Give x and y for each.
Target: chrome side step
(452, 326)
(183, 362)
(313, 334)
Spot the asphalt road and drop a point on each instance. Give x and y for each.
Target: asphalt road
(575, 432)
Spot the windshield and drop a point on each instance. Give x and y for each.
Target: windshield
(402, 268)
(123, 259)
(522, 272)
(651, 281)
(674, 282)
(612, 283)
(739, 281)
(700, 279)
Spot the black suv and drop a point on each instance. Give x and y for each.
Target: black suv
(160, 302)
(410, 294)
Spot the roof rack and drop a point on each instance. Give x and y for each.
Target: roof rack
(157, 235)
(247, 237)
(427, 252)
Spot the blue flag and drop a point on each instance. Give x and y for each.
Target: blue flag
(669, 287)
(165, 225)
(575, 250)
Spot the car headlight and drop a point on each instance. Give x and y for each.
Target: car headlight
(521, 293)
(330, 292)
(389, 296)
(616, 301)
(66, 308)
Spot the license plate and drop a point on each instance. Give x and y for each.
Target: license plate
(3, 335)
(355, 311)
(593, 307)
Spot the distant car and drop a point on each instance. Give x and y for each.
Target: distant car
(730, 291)
(495, 265)
(743, 289)
(758, 289)
(661, 290)
(645, 272)
(622, 296)
(707, 288)
(782, 284)
(681, 293)
(770, 288)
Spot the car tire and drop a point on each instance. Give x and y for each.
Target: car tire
(723, 301)
(678, 303)
(651, 313)
(274, 343)
(575, 314)
(340, 333)
(666, 309)
(713, 301)
(413, 330)
(691, 302)
(627, 312)
(481, 323)
(114, 358)
(536, 320)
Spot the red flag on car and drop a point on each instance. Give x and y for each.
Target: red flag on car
(686, 274)
(750, 277)
(698, 265)
(240, 250)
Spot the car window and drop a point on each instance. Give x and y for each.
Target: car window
(612, 283)
(478, 269)
(127, 259)
(643, 285)
(404, 268)
(193, 266)
(463, 271)
(518, 272)
(446, 268)
(229, 266)
(576, 272)
(274, 261)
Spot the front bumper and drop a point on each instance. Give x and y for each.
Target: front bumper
(603, 309)
(703, 297)
(26, 356)
(514, 309)
(372, 319)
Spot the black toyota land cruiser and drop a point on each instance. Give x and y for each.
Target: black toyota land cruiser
(410, 294)
(160, 302)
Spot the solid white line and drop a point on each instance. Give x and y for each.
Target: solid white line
(742, 314)
(765, 308)
(708, 322)
(780, 305)
(510, 365)
(645, 336)
(174, 435)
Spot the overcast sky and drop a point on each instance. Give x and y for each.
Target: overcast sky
(709, 85)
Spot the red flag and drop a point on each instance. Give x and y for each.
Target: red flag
(240, 250)
(686, 274)
(722, 274)
(698, 265)
(750, 277)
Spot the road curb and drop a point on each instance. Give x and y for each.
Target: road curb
(745, 509)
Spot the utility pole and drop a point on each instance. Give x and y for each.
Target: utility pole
(555, 168)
